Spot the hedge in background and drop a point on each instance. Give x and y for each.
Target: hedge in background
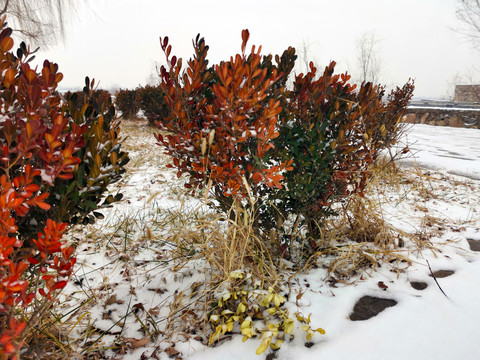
(128, 102)
(152, 102)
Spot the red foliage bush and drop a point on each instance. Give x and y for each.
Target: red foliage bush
(39, 143)
(237, 122)
(221, 126)
(334, 132)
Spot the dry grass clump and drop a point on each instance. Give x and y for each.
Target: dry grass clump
(240, 292)
(226, 249)
(360, 239)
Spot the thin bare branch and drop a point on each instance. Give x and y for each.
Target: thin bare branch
(468, 13)
(369, 63)
(41, 22)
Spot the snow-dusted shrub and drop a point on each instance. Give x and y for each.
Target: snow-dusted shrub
(222, 121)
(56, 163)
(38, 145)
(334, 131)
(103, 162)
(297, 150)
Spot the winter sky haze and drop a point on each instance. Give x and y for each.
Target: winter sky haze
(117, 41)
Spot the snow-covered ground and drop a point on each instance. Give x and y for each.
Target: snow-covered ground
(455, 150)
(125, 279)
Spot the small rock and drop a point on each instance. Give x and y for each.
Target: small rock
(454, 121)
(474, 244)
(418, 285)
(271, 356)
(369, 306)
(442, 273)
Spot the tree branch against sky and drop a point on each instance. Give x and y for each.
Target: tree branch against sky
(468, 13)
(368, 61)
(41, 22)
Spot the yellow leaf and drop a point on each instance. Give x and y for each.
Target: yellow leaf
(263, 346)
(261, 349)
(247, 327)
(214, 335)
(276, 346)
(98, 160)
(288, 326)
(241, 308)
(321, 331)
(99, 127)
(236, 275)
(272, 311)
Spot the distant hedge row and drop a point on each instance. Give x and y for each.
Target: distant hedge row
(149, 99)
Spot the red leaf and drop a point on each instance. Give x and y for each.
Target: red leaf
(59, 285)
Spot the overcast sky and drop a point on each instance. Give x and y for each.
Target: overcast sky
(117, 41)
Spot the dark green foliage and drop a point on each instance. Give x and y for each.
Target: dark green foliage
(128, 102)
(334, 131)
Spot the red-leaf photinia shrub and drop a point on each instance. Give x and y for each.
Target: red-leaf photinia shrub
(334, 130)
(38, 145)
(222, 121)
(301, 148)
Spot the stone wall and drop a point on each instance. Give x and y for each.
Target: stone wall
(467, 93)
(443, 117)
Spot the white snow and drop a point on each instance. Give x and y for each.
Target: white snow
(423, 325)
(456, 150)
